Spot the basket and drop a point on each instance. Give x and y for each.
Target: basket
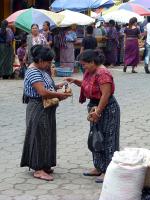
(64, 72)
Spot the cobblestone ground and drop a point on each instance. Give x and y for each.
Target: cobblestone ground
(133, 94)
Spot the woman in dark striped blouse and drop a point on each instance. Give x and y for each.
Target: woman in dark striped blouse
(39, 152)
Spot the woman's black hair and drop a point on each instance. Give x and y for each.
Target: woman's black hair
(34, 25)
(48, 24)
(23, 41)
(132, 21)
(89, 30)
(40, 53)
(92, 56)
(112, 22)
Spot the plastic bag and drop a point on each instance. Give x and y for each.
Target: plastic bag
(95, 139)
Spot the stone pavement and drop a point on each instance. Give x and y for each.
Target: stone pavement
(133, 94)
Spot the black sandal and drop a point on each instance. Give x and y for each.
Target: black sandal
(99, 180)
(134, 72)
(90, 174)
(124, 69)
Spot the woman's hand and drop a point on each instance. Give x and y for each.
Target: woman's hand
(75, 81)
(93, 115)
(63, 96)
(69, 80)
(60, 85)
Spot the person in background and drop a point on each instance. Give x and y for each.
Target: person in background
(67, 38)
(56, 46)
(120, 38)
(121, 44)
(47, 33)
(147, 46)
(89, 42)
(103, 36)
(96, 31)
(35, 37)
(112, 44)
(6, 50)
(39, 151)
(21, 53)
(132, 34)
(98, 86)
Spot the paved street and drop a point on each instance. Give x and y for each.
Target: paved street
(133, 94)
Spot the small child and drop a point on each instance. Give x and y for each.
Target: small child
(21, 53)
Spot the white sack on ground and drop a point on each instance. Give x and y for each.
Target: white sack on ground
(147, 161)
(144, 152)
(124, 179)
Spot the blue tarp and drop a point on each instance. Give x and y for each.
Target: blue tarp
(80, 5)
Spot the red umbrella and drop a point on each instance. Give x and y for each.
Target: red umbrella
(145, 3)
(137, 8)
(12, 18)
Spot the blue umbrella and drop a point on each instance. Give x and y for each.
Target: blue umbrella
(80, 5)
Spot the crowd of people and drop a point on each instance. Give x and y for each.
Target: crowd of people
(118, 43)
(101, 47)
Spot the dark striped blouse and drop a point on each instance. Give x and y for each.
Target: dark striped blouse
(34, 75)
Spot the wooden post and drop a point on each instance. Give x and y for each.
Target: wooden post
(89, 12)
(2, 10)
(7, 8)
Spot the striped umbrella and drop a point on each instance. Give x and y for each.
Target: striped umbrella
(80, 5)
(145, 3)
(23, 19)
(136, 8)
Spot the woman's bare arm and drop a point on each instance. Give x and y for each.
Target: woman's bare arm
(75, 81)
(106, 93)
(39, 86)
(96, 111)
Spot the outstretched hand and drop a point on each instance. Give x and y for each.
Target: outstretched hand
(69, 80)
(60, 85)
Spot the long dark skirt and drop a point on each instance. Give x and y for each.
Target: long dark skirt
(109, 125)
(131, 52)
(39, 150)
(111, 55)
(67, 56)
(6, 60)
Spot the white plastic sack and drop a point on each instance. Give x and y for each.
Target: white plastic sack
(124, 177)
(142, 151)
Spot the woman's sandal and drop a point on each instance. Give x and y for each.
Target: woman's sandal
(91, 174)
(134, 72)
(43, 177)
(99, 180)
(124, 69)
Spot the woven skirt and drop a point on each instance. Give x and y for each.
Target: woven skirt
(39, 151)
(109, 125)
(6, 60)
